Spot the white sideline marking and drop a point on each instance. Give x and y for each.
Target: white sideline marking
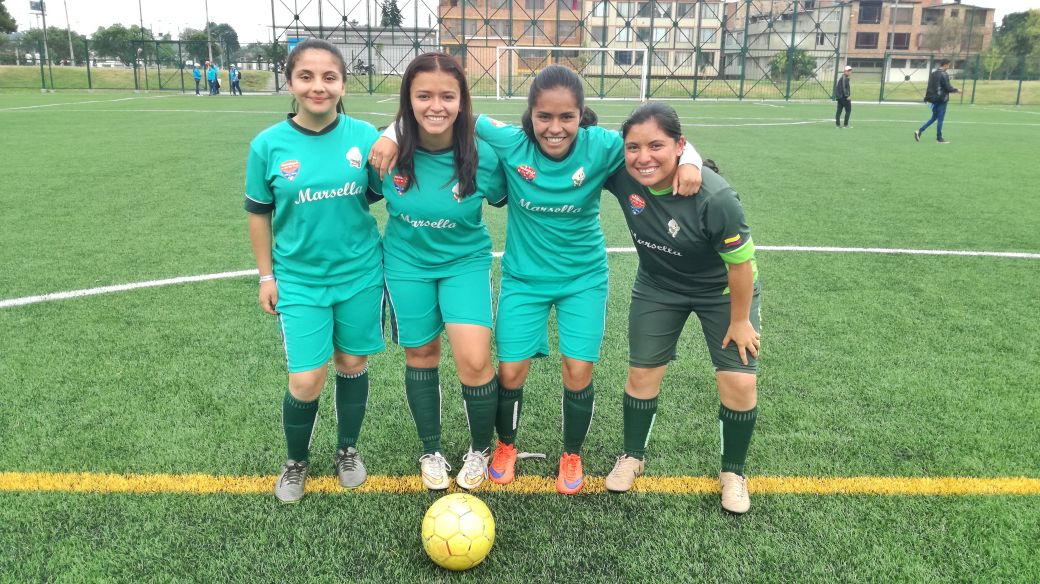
(122, 288)
(25, 107)
(12, 302)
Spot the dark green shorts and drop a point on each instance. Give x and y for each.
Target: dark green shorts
(656, 318)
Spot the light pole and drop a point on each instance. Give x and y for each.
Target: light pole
(68, 27)
(209, 49)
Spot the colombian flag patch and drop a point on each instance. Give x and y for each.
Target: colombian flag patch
(730, 242)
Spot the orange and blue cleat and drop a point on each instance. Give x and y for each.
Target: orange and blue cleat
(571, 478)
(503, 463)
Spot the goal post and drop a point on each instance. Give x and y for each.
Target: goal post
(608, 72)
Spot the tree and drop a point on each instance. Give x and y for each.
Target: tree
(57, 42)
(993, 59)
(225, 35)
(1020, 33)
(119, 42)
(195, 45)
(391, 15)
(7, 23)
(804, 64)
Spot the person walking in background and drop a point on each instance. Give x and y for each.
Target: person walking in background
(937, 95)
(197, 75)
(843, 93)
(235, 75)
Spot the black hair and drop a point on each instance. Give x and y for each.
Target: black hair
(944, 62)
(463, 142)
(552, 77)
(667, 119)
(321, 45)
(661, 113)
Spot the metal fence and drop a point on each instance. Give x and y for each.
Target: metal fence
(699, 49)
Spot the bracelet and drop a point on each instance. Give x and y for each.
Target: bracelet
(267, 278)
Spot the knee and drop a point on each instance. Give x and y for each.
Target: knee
(427, 356)
(474, 368)
(577, 375)
(307, 385)
(350, 364)
(738, 391)
(512, 375)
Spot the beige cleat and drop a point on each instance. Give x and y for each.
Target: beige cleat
(624, 473)
(735, 497)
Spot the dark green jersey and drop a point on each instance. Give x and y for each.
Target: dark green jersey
(315, 183)
(553, 230)
(432, 232)
(685, 243)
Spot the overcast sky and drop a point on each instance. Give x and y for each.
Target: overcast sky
(252, 18)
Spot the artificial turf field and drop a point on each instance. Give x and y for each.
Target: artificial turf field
(139, 429)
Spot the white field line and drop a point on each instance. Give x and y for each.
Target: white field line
(27, 107)
(12, 302)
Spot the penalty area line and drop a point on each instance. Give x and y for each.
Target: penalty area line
(13, 302)
(202, 484)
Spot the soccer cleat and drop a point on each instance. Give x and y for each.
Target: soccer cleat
(942, 141)
(735, 497)
(572, 477)
(290, 484)
(503, 463)
(350, 468)
(624, 473)
(474, 469)
(917, 135)
(434, 471)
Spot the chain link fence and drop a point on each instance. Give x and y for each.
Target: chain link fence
(698, 49)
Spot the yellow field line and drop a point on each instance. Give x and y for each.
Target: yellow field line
(199, 484)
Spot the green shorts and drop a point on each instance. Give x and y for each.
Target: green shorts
(314, 319)
(657, 316)
(522, 321)
(420, 308)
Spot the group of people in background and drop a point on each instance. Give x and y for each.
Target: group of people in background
(330, 278)
(212, 75)
(936, 95)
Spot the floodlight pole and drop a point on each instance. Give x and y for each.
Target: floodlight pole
(209, 40)
(68, 27)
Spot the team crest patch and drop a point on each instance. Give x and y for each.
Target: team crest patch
(455, 193)
(731, 241)
(578, 178)
(673, 228)
(527, 172)
(354, 157)
(636, 203)
(400, 184)
(497, 123)
(289, 169)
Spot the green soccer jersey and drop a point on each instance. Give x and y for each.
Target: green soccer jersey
(433, 232)
(553, 230)
(315, 183)
(685, 243)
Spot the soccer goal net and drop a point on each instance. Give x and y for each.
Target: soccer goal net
(608, 73)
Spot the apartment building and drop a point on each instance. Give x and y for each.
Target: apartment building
(766, 27)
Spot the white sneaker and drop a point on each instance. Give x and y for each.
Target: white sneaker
(434, 471)
(735, 497)
(474, 469)
(624, 474)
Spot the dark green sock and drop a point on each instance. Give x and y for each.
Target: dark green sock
(735, 429)
(639, 416)
(481, 410)
(298, 421)
(510, 402)
(577, 417)
(351, 402)
(423, 390)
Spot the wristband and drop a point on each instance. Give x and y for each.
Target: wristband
(267, 278)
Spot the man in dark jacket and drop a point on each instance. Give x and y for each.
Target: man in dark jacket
(937, 95)
(843, 93)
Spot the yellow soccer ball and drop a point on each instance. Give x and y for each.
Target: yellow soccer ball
(458, 531)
